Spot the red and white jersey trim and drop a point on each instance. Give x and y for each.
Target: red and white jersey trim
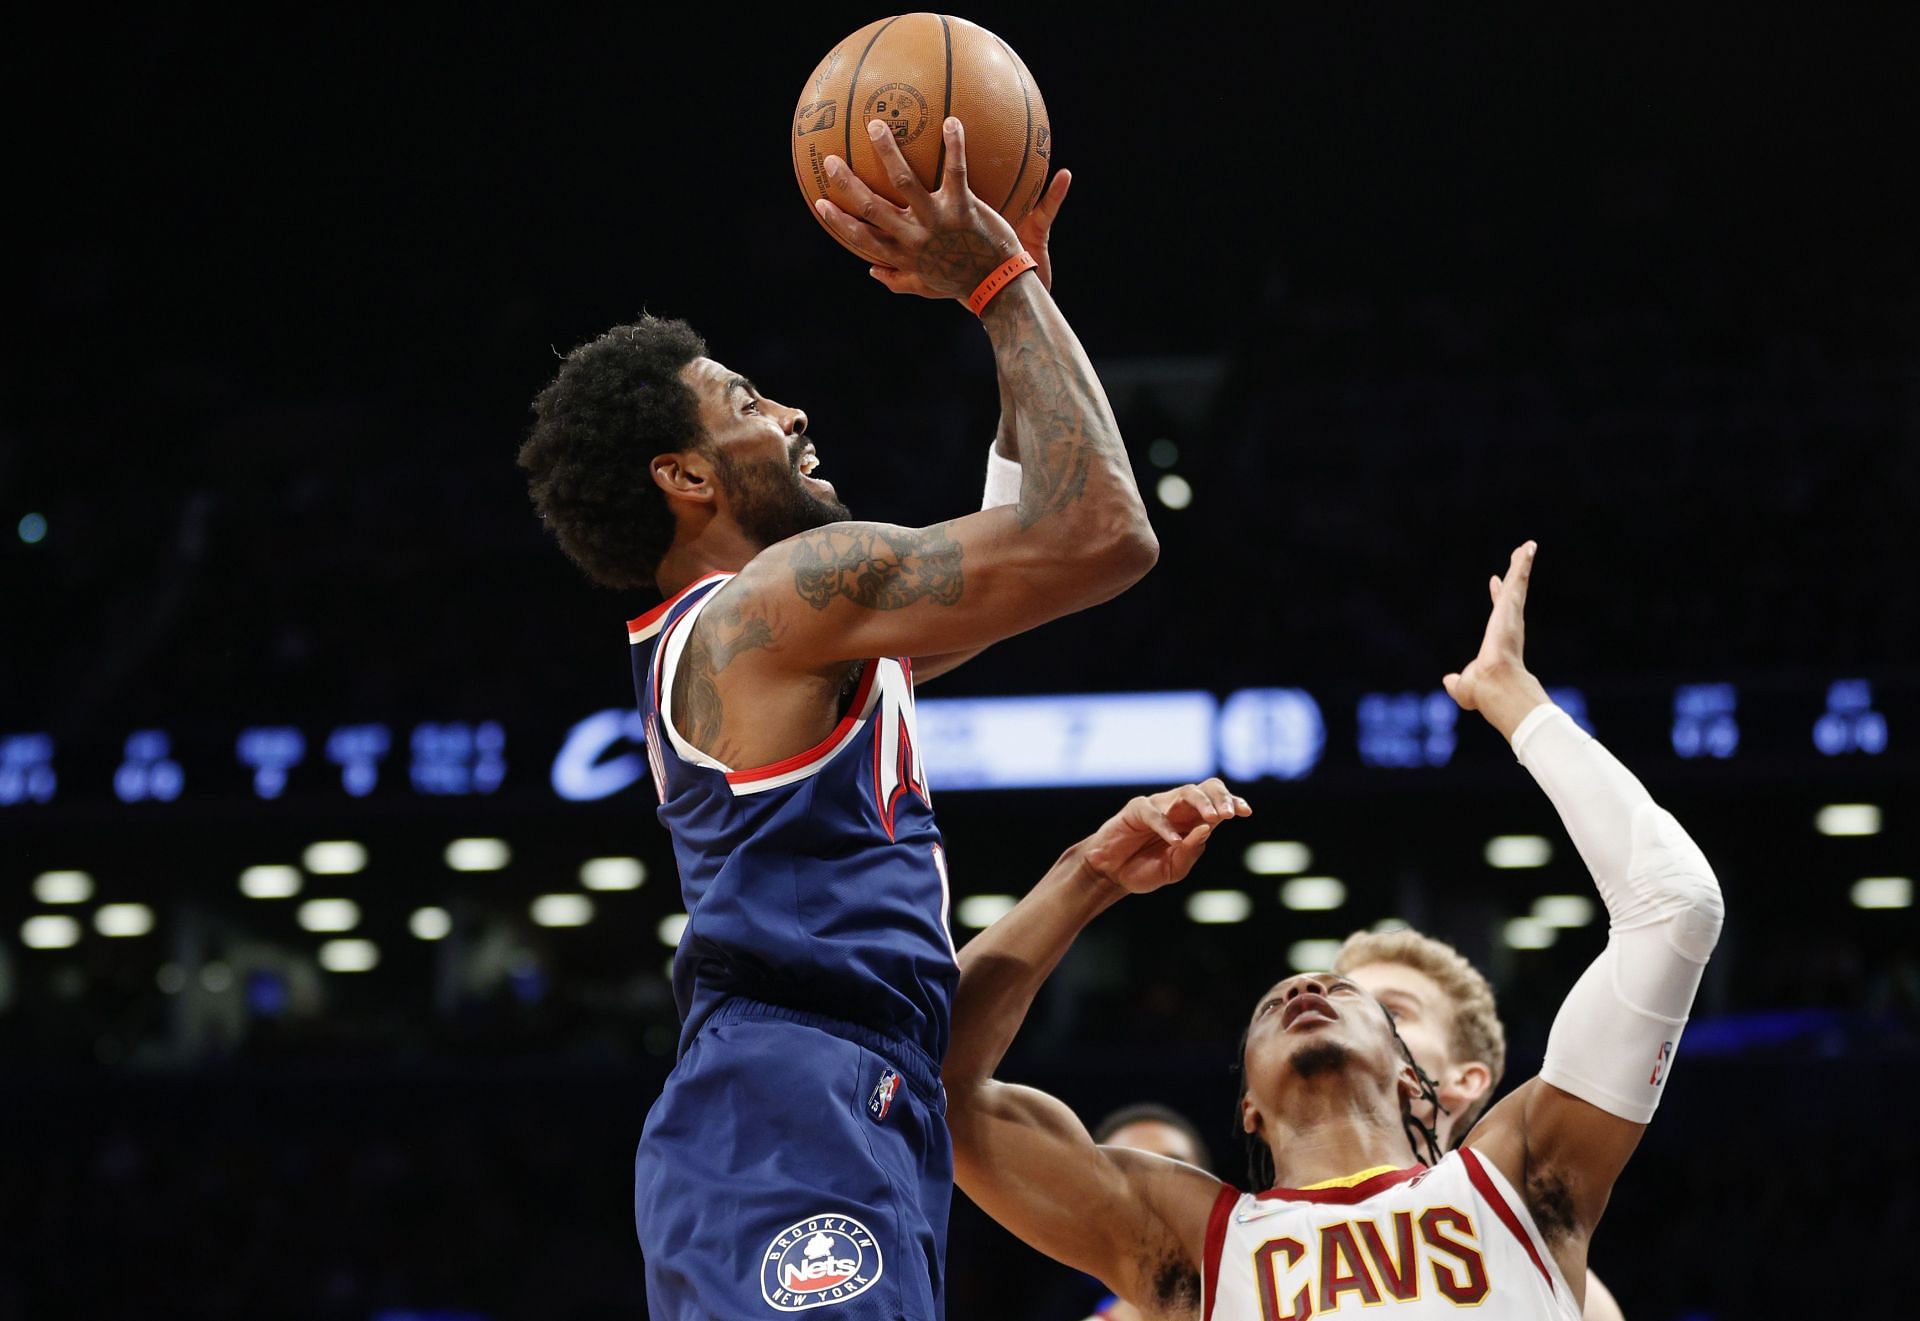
(643, 628)
(758, 779)
(752, 779)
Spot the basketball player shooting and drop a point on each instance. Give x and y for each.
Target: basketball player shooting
(798, 1156)
(1502, 1223)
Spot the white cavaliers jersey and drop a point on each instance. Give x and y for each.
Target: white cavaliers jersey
(1420, 1242)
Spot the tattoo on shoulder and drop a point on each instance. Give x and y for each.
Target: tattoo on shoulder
(723, 631)
(881, 568)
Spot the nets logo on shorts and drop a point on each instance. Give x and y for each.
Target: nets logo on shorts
(818, 1262)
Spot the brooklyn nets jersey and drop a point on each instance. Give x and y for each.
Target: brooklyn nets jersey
(1420, 1242)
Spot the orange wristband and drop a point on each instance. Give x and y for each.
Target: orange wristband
(1003, 275)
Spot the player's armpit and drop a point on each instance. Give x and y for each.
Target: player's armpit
(1564, 1155)
(1133, 1220)
(850, 591)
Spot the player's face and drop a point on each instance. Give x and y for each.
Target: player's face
(762, 457)
(1422, 1013)
(1158, 1138)
(1315, 1026)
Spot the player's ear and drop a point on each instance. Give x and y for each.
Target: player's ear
(1409, 1080)
(1466, 1084)
(1249, 1114)
(684, 475)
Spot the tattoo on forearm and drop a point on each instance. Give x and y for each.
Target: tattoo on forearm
(877, 567)
(722, 632)
(1065, 425)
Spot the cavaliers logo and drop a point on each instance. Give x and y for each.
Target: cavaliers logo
(818, 1262)
(901, 108)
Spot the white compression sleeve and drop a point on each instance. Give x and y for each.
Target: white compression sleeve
(1613, 1041)
(1003, 480)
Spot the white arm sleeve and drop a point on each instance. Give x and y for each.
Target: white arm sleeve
(1614, 1039)
(1003, 480)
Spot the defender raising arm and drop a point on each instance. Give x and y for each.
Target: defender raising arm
(1330, 1088)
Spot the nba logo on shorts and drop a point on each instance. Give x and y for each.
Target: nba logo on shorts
(881, 1100)
(818, 1262)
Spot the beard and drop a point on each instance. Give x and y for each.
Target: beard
(1317, 1058)
(771, 501)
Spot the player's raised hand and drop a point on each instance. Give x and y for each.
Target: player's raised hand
(1033, 231)
(1496, 682)
(1155, 840)
(941, 244)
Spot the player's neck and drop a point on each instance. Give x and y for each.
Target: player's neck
(720, 547)
(1331, 1139)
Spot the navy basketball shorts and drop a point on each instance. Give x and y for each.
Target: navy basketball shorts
(795, 1163)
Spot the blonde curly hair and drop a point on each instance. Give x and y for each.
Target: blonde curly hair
(1477, 1032)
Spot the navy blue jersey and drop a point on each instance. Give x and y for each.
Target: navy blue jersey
(817, 882)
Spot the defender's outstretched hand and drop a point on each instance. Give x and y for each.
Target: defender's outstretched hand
(1496, 683)
(1155, 840)
(1032, 231)
(948, 241)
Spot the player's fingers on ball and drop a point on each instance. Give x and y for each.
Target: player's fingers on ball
(850, 193)
(956, 170)
(886, 150)
(853, 231)
(1049, 204)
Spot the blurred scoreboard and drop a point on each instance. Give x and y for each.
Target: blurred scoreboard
(1352, 739)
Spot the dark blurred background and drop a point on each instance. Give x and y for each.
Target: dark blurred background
(1377, 295)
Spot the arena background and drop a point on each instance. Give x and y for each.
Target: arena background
(1385, 292)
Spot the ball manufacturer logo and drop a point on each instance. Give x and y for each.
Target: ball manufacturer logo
(901, 108)
(818, 1262)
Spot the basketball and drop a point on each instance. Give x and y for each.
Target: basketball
(912, 71)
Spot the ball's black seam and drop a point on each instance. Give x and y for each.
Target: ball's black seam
(854, 83)
(1026, 145)
(946, 107)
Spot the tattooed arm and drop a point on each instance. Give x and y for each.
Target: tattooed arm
(1078, 535)
(803, 612)
(1034, 231)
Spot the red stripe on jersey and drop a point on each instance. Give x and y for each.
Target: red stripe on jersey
(1216, 1241)
(1360, 1192)
(824, 746)
(639, 630)
(1481, 1181)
